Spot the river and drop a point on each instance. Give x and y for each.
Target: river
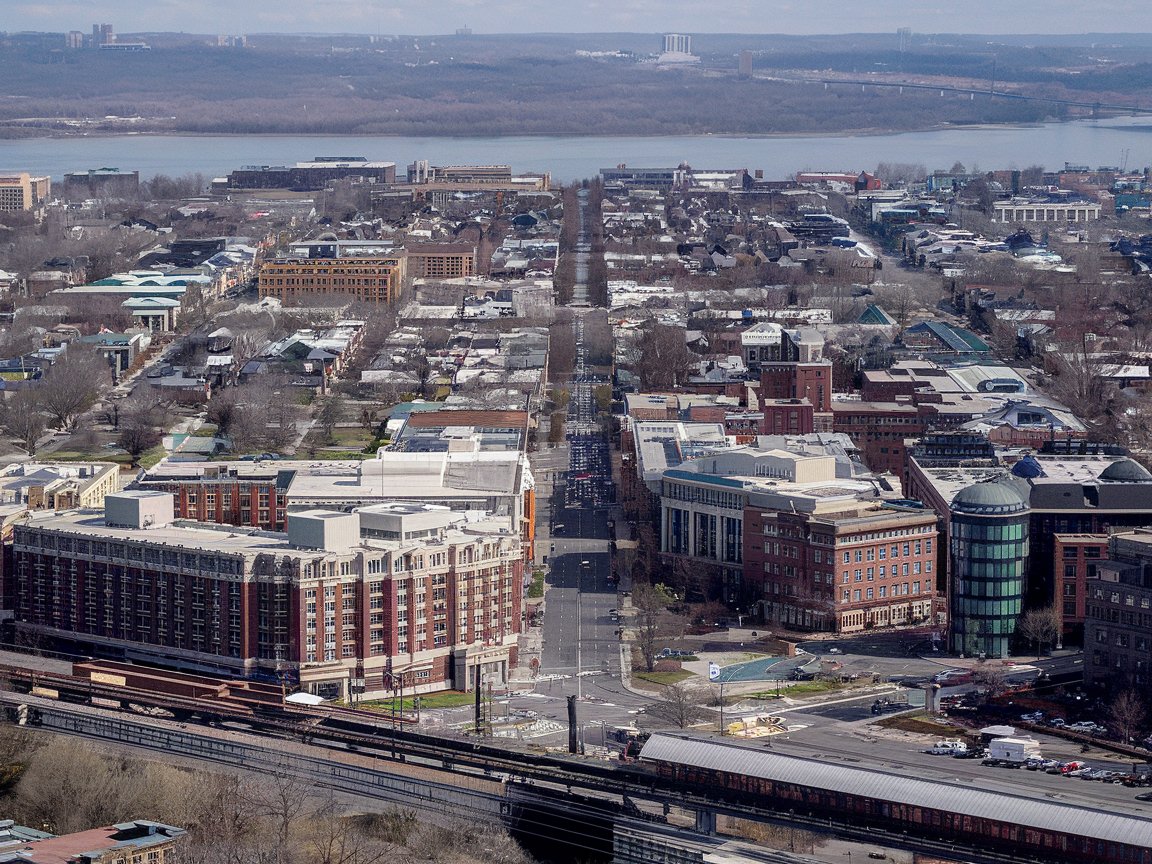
(1116, 141)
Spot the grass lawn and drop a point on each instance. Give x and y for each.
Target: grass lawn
(661, 679)
(447, 699)
(799, 688)
(346, 455)
(536, 589)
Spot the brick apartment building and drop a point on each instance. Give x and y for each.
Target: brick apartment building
(368, 279)
(440, 260)
(391, 590)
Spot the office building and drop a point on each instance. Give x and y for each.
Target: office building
(1088, 493)
(1118, 619)
(841, 559)
(988, 548)
(22, 191)
(723, 514)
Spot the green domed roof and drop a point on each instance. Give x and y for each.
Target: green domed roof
(1126, 471)
(994, 498)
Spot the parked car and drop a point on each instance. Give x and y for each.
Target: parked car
(976, 753)
(1057, 723)
(1034, 717)
(1087, 727)
(952, 677)
(1077, 772)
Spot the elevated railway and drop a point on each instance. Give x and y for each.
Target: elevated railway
(385, 756)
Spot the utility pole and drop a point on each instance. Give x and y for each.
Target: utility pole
(476, 685)
(579, 630)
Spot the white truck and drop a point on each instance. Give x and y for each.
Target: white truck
(1012, 752)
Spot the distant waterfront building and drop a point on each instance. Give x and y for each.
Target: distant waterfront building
(102, 34)
(1018, 210)
(745, 64)
(312, 176)
(101, 183)
(22, 191)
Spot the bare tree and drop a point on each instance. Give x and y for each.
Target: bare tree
(1040, 626)
(73, 385)
(680, 704)
(992, 677)
(1128, 713)
(650, 602)
(330, 412)
(224, 409)
(24, 419)
(284, 798)
(136, 437)
(664, 360)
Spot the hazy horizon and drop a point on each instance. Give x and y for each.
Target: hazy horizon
(407, 17)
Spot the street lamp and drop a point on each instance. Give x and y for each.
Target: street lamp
(716, 674)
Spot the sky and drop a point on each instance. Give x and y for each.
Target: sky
(418, 17)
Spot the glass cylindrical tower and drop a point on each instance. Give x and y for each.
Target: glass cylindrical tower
(988, 547)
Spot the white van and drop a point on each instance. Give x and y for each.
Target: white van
(947, 748)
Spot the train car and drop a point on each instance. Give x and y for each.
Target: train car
(931, 809)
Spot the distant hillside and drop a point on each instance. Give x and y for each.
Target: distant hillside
(539, 84)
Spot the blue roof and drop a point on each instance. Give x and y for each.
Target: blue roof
(730, 482)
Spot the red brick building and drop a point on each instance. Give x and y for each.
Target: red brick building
(866, 564)
(787, 417)
(1075, 562)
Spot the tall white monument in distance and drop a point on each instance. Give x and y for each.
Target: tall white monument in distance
(677, 49)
